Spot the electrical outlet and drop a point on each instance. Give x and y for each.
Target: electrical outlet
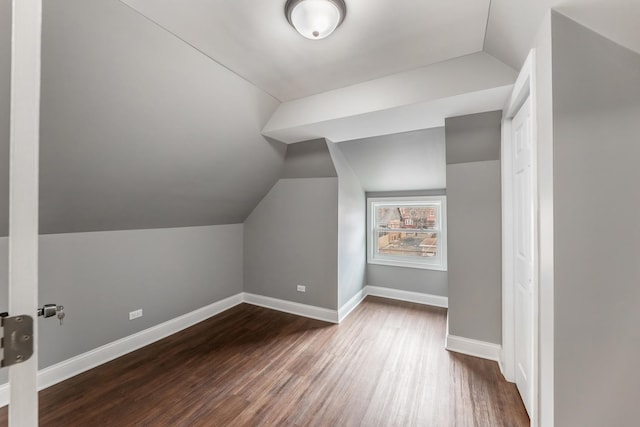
(301, 288)
(135, 314)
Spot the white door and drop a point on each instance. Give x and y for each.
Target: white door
(523, 248)
(23, 199)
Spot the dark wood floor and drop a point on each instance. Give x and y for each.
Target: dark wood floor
(385, 365)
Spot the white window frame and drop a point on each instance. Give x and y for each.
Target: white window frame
(436, 263)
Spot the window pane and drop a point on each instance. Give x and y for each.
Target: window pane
(411, 217)
(407, 243)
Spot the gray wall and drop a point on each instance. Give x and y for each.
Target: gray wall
(309, 159)
(474, 250)
(290, 239)
(138, 129)
(100, 277)
(596, 105)
(399, 162)
(352, 237)
(474, 212)
(431, 282)
(472, 138)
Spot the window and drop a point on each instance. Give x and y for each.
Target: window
(407, 232)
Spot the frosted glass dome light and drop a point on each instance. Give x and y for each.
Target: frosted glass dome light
(315, 19)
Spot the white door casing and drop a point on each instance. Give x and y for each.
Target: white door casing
(23, 199)
(523, 251)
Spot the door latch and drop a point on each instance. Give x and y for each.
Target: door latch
(50, 310)
(17, 339)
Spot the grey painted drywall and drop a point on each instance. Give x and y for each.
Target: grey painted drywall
(474, 239)
(474, 230)
(431, 282)
(308, 159)
(5, 82)
(473, 138)
(138, 129)
(352, 237)
(596, 116)
(100, 277)
(405, 161)
(408, 279)
(290, 239)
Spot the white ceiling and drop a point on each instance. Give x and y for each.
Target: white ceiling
(513, 23)
(378, 38)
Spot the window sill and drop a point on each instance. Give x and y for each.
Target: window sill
(405, 264)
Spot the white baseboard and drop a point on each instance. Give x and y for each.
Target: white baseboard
(417, 297)
(350, 305)
(471, 347)
(484, 350)
(4, 394)
(83, 362)
(296, 308)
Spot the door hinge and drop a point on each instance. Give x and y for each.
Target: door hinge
(17, 339)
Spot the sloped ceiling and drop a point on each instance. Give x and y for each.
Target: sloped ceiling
(140, 130)
(401, 162)
(377, 38)
(513, 23)
(152, 111)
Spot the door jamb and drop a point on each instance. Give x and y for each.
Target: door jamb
(26, 24)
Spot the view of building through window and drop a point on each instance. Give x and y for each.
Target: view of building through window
(407, 230)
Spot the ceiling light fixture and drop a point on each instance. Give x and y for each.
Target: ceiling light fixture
(315, 19)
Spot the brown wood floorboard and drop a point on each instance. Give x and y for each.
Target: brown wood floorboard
(385, 365)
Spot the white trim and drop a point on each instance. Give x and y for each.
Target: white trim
(98, 356)
(482, 349)
(439, 262)
(350, 305)
(471, 347)
(417, 297)
(4, 394)
(24, 148)
(310, 311)
(522, 87)
(500, 363)
(508, 327)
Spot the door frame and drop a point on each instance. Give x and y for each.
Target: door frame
(524, 88)
(26, 28)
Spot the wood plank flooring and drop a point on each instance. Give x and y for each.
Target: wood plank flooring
(385, 365)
